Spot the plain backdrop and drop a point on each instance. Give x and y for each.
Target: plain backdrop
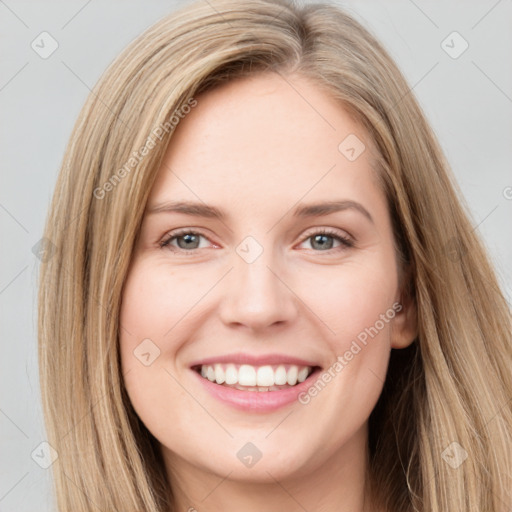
(468, 100)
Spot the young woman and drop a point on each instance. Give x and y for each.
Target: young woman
(266, 293)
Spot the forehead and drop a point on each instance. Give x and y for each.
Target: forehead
(268, 138)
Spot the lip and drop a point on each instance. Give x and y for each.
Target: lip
(253, 360)
(256, 401)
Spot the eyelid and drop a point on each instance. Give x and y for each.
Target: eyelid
(341, 233)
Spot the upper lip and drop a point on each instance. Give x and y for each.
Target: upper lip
(254, 360)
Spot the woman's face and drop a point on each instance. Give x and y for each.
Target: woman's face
(248, 283)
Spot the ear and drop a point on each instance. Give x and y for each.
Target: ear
(404, 329)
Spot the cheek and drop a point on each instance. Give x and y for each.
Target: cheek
(351, 300)
(155, 300)
(147, 313)
(356, 304)
(150, 309)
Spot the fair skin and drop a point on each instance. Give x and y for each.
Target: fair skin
(257, 150)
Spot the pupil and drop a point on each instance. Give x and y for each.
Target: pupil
(187, 238)
(322, 245)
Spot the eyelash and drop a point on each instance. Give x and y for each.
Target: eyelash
(346, 242)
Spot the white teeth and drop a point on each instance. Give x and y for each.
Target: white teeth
(265, 376)
(247, 375)
(280, 376)
(291, 376)
(231, 374)
(303, 374)
(219, 374)
(253, 378)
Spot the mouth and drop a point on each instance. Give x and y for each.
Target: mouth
(264, 378)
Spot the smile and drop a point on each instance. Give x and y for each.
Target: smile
(246, 377)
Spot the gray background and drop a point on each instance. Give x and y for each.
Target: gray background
(468, 100)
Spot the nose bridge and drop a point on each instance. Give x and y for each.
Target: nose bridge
(256, 296)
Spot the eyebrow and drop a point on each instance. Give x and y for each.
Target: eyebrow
(302, 211)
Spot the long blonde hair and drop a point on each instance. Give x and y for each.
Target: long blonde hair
(452, 385)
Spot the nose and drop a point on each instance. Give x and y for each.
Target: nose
(257, 295)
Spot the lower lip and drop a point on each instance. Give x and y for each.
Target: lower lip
(257, 401)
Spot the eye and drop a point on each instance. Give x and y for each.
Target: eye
(186, 240)
(323, 240)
